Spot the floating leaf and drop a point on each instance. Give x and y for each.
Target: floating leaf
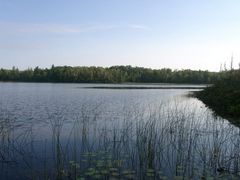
(71, 162)
(115, 174)
(150, 170)
(150, 174)
(130, 176)
(164, 178)
(80, 178)
(178, 178)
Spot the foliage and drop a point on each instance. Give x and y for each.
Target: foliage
(224, 96)
(114, 74)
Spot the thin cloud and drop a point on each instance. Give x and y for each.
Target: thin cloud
(6, 28)
(139, 27)
(22, 46)
(49, 28)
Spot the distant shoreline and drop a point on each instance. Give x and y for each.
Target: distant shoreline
(113, 74)
(141, 87)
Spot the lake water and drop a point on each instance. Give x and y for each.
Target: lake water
(68, 131)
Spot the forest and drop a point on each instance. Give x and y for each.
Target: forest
(114, 74)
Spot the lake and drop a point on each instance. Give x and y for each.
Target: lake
(101, 131)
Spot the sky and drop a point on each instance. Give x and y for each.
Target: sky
(177, 34)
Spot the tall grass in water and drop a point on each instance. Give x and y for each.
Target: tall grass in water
(169, 141)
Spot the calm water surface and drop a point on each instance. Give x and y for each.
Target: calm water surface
(65, 131)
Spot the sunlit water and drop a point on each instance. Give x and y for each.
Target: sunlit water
(65, 131)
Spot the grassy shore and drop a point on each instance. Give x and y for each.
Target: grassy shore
(223, 97)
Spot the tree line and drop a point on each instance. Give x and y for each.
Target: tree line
(114, 74)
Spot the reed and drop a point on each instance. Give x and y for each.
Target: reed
(171, 141)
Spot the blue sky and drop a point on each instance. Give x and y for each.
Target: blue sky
(148, 33)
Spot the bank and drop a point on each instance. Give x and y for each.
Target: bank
(223, 97)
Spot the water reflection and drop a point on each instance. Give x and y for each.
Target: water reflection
(75, 137)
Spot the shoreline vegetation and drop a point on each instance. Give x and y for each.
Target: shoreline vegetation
(223, 97)
(168, 141)
(114, 74)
